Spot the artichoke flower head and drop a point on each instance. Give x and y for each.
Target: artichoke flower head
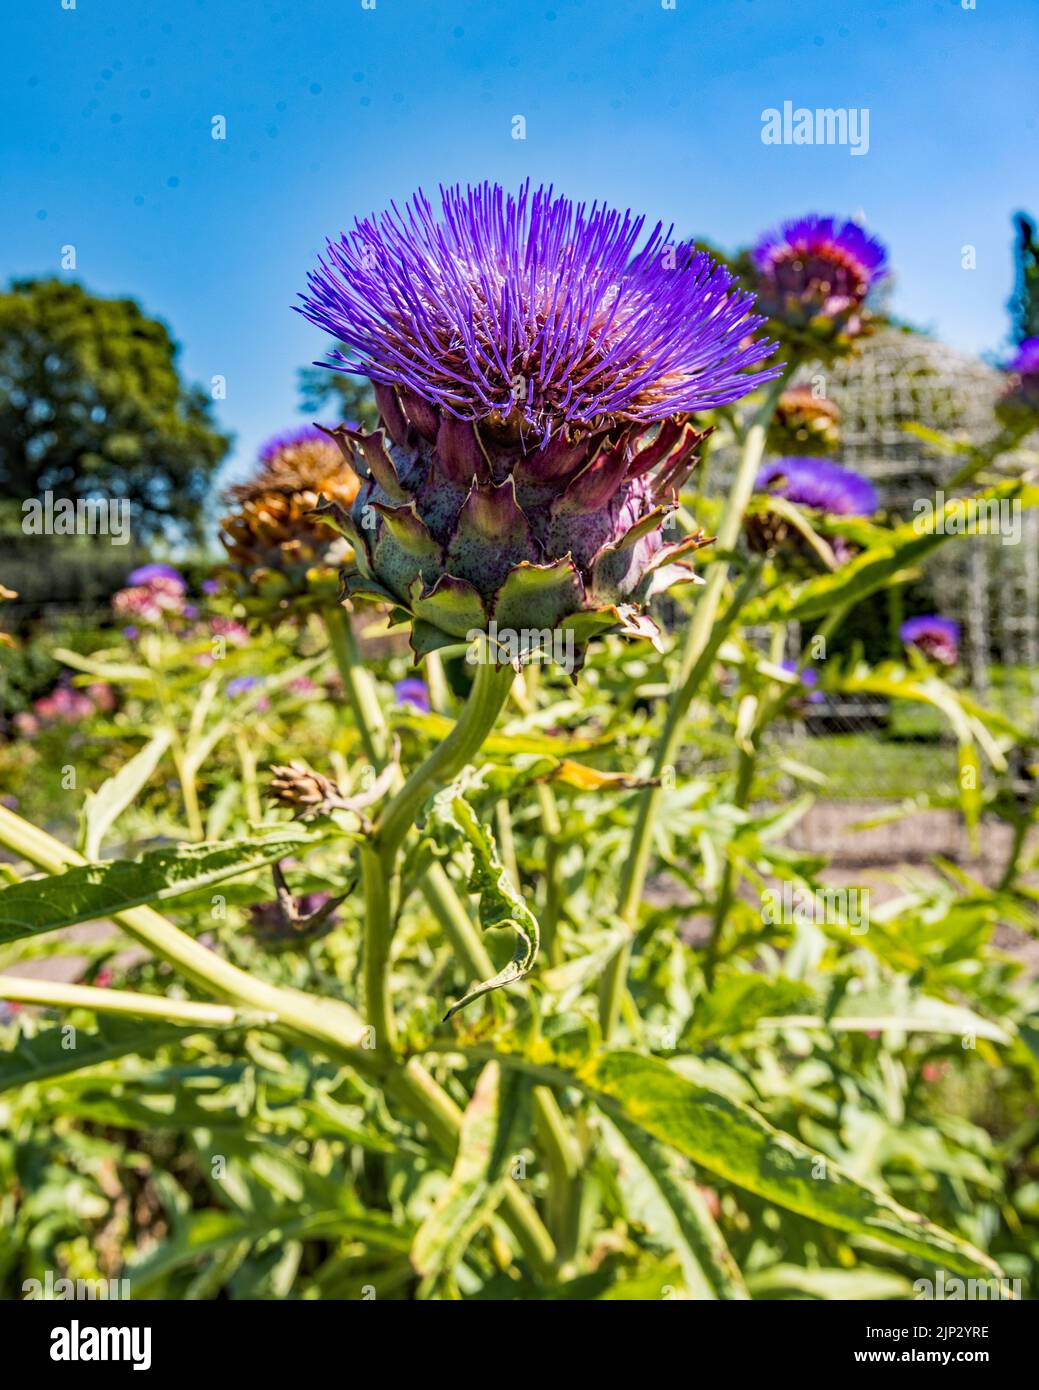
(282, 558)
(535, 373)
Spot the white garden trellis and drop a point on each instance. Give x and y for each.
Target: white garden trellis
(991, 585)
(898, 379)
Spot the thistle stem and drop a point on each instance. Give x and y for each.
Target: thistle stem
(700, 643)
(553, 830)
(359, 686)
(746, 769)
(330, 1026)
(377, 876)
(58, 994)
(490, 689)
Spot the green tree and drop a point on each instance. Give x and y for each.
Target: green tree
(1024, 305)
(92, 405)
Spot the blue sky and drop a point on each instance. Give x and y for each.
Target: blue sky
(332, 109)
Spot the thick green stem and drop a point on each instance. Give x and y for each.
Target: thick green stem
(698, 643)
(414, 1087)
(563, 1159)
(377, 878)
(552, 827)
(489, 692)
(740, 493)
(746, 768)
(359, 686)
(250, 785)
(58, 994)
(330, 1026)
(636, 867)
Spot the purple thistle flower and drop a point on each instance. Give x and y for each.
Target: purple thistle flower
(527, 303)
(148, 574)
(303, 437)
(1020, 402)
(817, 270)
(534, 371)
(241, 684)
(1025, 361)
(936, 637)
(412, 691)
(809, 679)
(820, 484)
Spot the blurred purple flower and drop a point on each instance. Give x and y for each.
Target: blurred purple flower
(241, 684)
(1025, 361)
(1020, 401)
(936, 637)
(148, 574)
(412, 691)
(809, 679)
(820, 484)
(817, 267)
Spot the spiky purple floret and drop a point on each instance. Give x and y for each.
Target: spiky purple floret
(148, 574)
(934, 635)
(290, 439)
(819, 483)
(1025, 361)
(530, 303)
(826, 239)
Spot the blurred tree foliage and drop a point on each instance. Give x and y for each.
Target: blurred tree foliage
(349, 398)
(1024, 306)
(92, 404)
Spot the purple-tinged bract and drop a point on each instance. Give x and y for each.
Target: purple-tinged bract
(812, 276)
(936, 637)
(534, 369)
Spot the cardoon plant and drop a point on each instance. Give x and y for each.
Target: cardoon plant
(281, 557)
(812, 276)
(535, 371)
(933, 636)
(1020, 400)
(818, 485)
(804, 423)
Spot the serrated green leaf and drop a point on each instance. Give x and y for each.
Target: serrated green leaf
(501, 904)
(92, 891)
(730, 1139)
(101, 809)
(477, 1178)
(706, 1258)
(49, 1054)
